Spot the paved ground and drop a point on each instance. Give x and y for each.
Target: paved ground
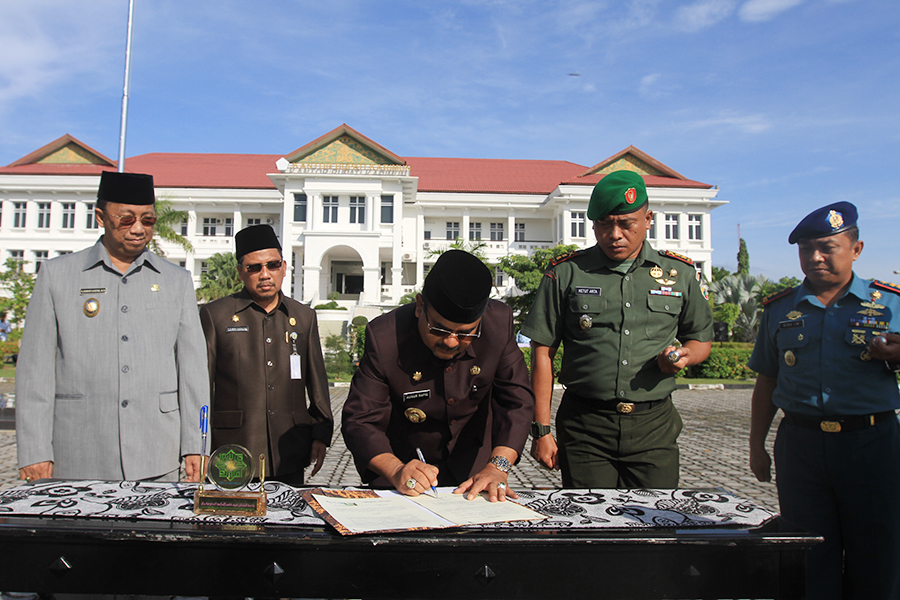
(713, 446)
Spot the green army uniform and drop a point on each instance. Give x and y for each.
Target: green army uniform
(617, 426)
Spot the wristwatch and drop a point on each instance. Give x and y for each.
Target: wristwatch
(501, 463)
(539, 430)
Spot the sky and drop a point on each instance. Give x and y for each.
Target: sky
(785, 105)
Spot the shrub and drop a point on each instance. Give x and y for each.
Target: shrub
(727, 360)
(333, 305)
(557, 360)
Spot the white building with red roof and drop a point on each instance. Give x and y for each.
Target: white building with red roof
(354, 218)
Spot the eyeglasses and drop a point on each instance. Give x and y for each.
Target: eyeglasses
(443, 333)
(127, 221)
(272, 265)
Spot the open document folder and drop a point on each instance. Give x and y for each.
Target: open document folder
(369, 511)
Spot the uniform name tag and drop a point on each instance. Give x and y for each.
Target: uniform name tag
(790, 324)
(92, 291)
(295, 366)
(231, 329)
(588, 291)
(417, 395)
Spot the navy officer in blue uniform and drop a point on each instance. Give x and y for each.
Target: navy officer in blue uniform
(826, 355)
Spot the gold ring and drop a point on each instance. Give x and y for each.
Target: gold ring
(28, 480)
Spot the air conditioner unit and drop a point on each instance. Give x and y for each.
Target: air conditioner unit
(407, 257)
(426, 245)
(219, 221)
(269, 221)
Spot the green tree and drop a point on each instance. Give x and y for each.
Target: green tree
(743, 259)
(19, 286)
(767, 288)
(473, 247)
(167, 219)
(742, 291)
(221, 278)
(719, 273)
(527, 272)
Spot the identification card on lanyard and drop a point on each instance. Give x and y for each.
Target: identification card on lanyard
(295, 357)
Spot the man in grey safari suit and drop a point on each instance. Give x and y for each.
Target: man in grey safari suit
(112, 370)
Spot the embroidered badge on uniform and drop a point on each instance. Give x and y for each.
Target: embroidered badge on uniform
(562, 258)
(773, 297)
(677, 256)
(887, 286)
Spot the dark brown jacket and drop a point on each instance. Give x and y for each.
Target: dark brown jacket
(473, 403)
(254, 402)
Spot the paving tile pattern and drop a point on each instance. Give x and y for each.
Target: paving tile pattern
(714, 448)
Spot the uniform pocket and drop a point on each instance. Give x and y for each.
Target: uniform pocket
(665, 304)
(168, 401)
(586, 314)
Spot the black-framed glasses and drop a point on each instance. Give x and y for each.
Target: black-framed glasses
(272, 265)
(128, 221)
(443, 333)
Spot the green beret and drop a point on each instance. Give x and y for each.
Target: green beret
(618, 193)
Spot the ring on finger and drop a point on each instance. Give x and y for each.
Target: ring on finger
(411, 483)
(501, 486)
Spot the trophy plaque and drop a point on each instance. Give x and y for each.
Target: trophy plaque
(230, 469)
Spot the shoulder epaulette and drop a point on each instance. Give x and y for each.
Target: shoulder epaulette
(773, 297)
(563, 258)
(676, 256)
(887, 286)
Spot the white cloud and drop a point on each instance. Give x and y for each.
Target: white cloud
(647, 87)
(703, 14)
(756, 11)
(751, 124)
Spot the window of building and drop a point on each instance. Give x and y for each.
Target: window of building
(496, 232)
(695, 227)
(251, 222)
(204, 267)
(18, 256)
(68, 215)
(184, 228)
(474, 231)
(63, 252)
(20, 211)
(520, 232)
(652, 233)
(498, 276)
(43, 216)
(39, 257)
(577, 224)
(452, 230)
(428, 235)
(387, 209)
(90, 222)
(299, 208)
(229, 227)
(357, 209)
(209, 226)
(329, 209)
(671, 227)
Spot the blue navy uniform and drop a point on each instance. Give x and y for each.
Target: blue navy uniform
(837, 451)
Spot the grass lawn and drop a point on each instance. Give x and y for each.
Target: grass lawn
(7, 370)
(683, 381)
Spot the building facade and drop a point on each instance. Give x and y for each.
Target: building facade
(357, 222)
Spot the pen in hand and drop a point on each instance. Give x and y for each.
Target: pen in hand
(422, 458)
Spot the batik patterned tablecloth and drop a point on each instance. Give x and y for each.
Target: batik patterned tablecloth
(566, 509)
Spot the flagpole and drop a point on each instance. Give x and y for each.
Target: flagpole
(124, 123)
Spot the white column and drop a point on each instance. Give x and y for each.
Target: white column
(420, 253)
(311, 274)
(511, 227)
(372, 284)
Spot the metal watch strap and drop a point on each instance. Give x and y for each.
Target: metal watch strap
(501, 463)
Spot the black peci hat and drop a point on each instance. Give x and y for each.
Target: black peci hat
(126, 188)
(458, 287)
(253, 238)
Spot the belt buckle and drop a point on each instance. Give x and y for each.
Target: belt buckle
(625, 408)
(830, 426)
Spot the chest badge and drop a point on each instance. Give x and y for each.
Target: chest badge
(417, 376)
(656, 272)
(415, 415)
(673, 272)
(865, 355)
(789, 359)
(91, 307)
(794, 315)
(585, 322)
(871, 304)
(154, 287)
(292, 321)
(235, 318)
(474, 370)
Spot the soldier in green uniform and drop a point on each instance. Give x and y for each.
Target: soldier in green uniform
(618, 308)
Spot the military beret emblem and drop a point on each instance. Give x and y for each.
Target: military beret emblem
(630, 195)
(835, 219)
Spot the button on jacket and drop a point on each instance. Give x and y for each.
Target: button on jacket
(614, 320)
(827, 347)
(480, 400)
(117, 394)
(255, 402)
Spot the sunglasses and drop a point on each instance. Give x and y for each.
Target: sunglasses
(272, 265)
(444, 333)
(127, 221)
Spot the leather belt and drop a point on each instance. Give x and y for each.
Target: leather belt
(627, 408)
(840, 424)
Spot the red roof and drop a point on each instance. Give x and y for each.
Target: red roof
(249, 171)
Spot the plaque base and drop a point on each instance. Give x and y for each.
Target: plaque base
(236, 504)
